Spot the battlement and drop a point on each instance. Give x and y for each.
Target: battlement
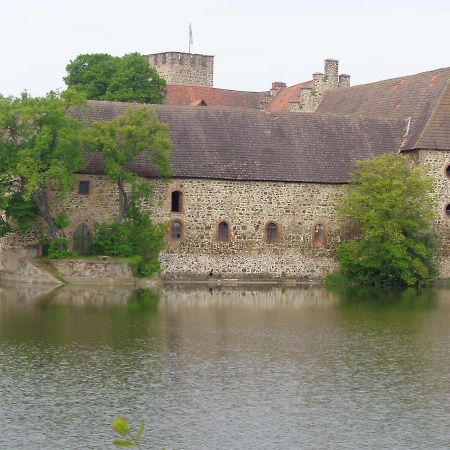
(184, 68)
(323, 82)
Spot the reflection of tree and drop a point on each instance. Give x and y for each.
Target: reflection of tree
(87, 315)
(376, 299)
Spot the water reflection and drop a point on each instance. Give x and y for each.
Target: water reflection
(225, 367)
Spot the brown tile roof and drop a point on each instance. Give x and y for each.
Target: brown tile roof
(288, 94)
(188, 95)
(254, 145)
(422, 97)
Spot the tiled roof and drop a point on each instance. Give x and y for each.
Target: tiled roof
(288, 94)
(189, 95)
(423, 97)
(254, 145)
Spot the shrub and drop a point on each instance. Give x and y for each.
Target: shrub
(57, 248)
(137, 239)
(390, 211)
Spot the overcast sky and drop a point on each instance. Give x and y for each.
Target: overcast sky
(254, 42)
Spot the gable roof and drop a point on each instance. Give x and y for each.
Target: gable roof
(288, 94)
(189, 95)
(235, 144)
(421, 97)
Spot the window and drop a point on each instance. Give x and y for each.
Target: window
(319, 234)
(176, 230)
(271, 232)
(223, 233)
(83, 187)
(176, 203)
(447, 210)
(447, 171)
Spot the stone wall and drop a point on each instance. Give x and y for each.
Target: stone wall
(247, 207)
(435, 164)
(184, 68)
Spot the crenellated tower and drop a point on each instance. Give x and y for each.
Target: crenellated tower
(184, 68)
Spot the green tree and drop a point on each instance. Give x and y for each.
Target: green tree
(124, 79)
(39, 150)
(389, 212)
(137, 132)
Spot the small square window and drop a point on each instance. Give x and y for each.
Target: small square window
(83, 187)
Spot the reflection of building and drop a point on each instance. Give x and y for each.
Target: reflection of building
(256, 175)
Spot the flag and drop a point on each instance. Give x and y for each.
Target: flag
(191, 39)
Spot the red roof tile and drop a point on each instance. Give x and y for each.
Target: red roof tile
(289, 94)
(191, 95)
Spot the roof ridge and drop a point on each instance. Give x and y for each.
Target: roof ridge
(398, 78)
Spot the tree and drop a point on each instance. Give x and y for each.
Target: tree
(121, 141)
(39, 150)
(136, 133)
(124, 79)
(389, 211)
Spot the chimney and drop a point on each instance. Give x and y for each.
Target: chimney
(317, 79)
(344, 80)
(331, 71)
(278, 85)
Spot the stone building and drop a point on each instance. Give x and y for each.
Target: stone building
(256, 176)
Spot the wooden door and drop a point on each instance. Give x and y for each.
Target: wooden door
(82, 239)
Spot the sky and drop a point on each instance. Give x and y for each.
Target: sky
(254, 42)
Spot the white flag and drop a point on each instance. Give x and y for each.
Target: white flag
(191, 39)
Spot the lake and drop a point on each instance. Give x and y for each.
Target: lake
(225, 367)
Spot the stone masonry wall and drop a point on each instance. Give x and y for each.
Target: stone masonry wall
(247, 207)
(184, 68)
(435, 164)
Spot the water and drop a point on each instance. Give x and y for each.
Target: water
(225, 368)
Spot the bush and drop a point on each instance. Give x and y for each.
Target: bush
(57, 248)
(389, 208)
(137, 239)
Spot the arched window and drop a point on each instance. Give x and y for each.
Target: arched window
(447, 170)
(319, 234)
(223, 232)
(447, 210)
(176, 230)
(271, 232)
(82, 239)
(176, 201)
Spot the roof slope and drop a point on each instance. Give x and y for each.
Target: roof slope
(436, 135)
(255, 145)
(415, 96)
(187, 95)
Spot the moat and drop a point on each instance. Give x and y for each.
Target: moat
(224, 368)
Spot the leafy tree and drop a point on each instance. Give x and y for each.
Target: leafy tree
(121, 141)
(389, 209)
(39, 150)
(124, 79)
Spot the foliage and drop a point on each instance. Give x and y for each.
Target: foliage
(137, 132)
(390, 213)
(128, 78)
(57, 248)
(62, 220)
(137, 238)
(121, 426)
(39, 149)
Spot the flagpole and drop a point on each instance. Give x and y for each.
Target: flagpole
(190, 38)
